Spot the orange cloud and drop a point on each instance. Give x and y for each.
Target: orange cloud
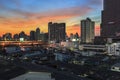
(73, 29)
(25, 21)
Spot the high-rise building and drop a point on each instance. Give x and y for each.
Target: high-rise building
(87, 31)
(37, 37)
(56, 31)
(44, 37)
(32, 35)
(110, 26)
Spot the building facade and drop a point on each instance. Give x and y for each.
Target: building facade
(87, 31)
(37, 35)
(110, 26)
(32, 35)
(113, 49)
(56, 31)
(44, 37)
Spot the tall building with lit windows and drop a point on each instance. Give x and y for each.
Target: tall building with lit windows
(56, 31)
(87, 31)
(110, 26)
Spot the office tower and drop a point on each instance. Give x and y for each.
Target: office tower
(62, 32)
(51, 31)
(87, 31)
(56, 31)
(32, 35)
(110, 26)
(37, 37)
(44, 37)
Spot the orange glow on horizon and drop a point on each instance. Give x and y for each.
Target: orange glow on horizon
(26, 22)
(69, 29)
(23, 15)
(76, 29)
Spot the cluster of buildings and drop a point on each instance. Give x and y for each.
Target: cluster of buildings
(33, 36)
(86, 57)
(109, 40)
(56, 33)
(110, 24)
(87, 31)
(110, 31)
(38, 36)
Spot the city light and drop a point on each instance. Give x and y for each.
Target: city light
(21, 39)
(60, 40)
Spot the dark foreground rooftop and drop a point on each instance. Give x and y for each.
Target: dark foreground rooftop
(8, 71)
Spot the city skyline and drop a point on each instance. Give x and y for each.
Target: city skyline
(17, 16)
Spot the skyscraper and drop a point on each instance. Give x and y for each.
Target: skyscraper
(110, 26)
(32, 35)
(44, 37)
(87, 31)
(37, 37)
(56, 31)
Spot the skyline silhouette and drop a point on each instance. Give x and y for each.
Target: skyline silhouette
(17, 16)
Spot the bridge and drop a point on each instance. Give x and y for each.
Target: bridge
(24, 43)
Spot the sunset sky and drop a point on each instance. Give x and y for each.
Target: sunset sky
(26, 15)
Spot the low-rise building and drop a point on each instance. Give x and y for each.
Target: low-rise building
(62, 56)
(113, 49)
(116, 67)
(12, 49)
(92, 47)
